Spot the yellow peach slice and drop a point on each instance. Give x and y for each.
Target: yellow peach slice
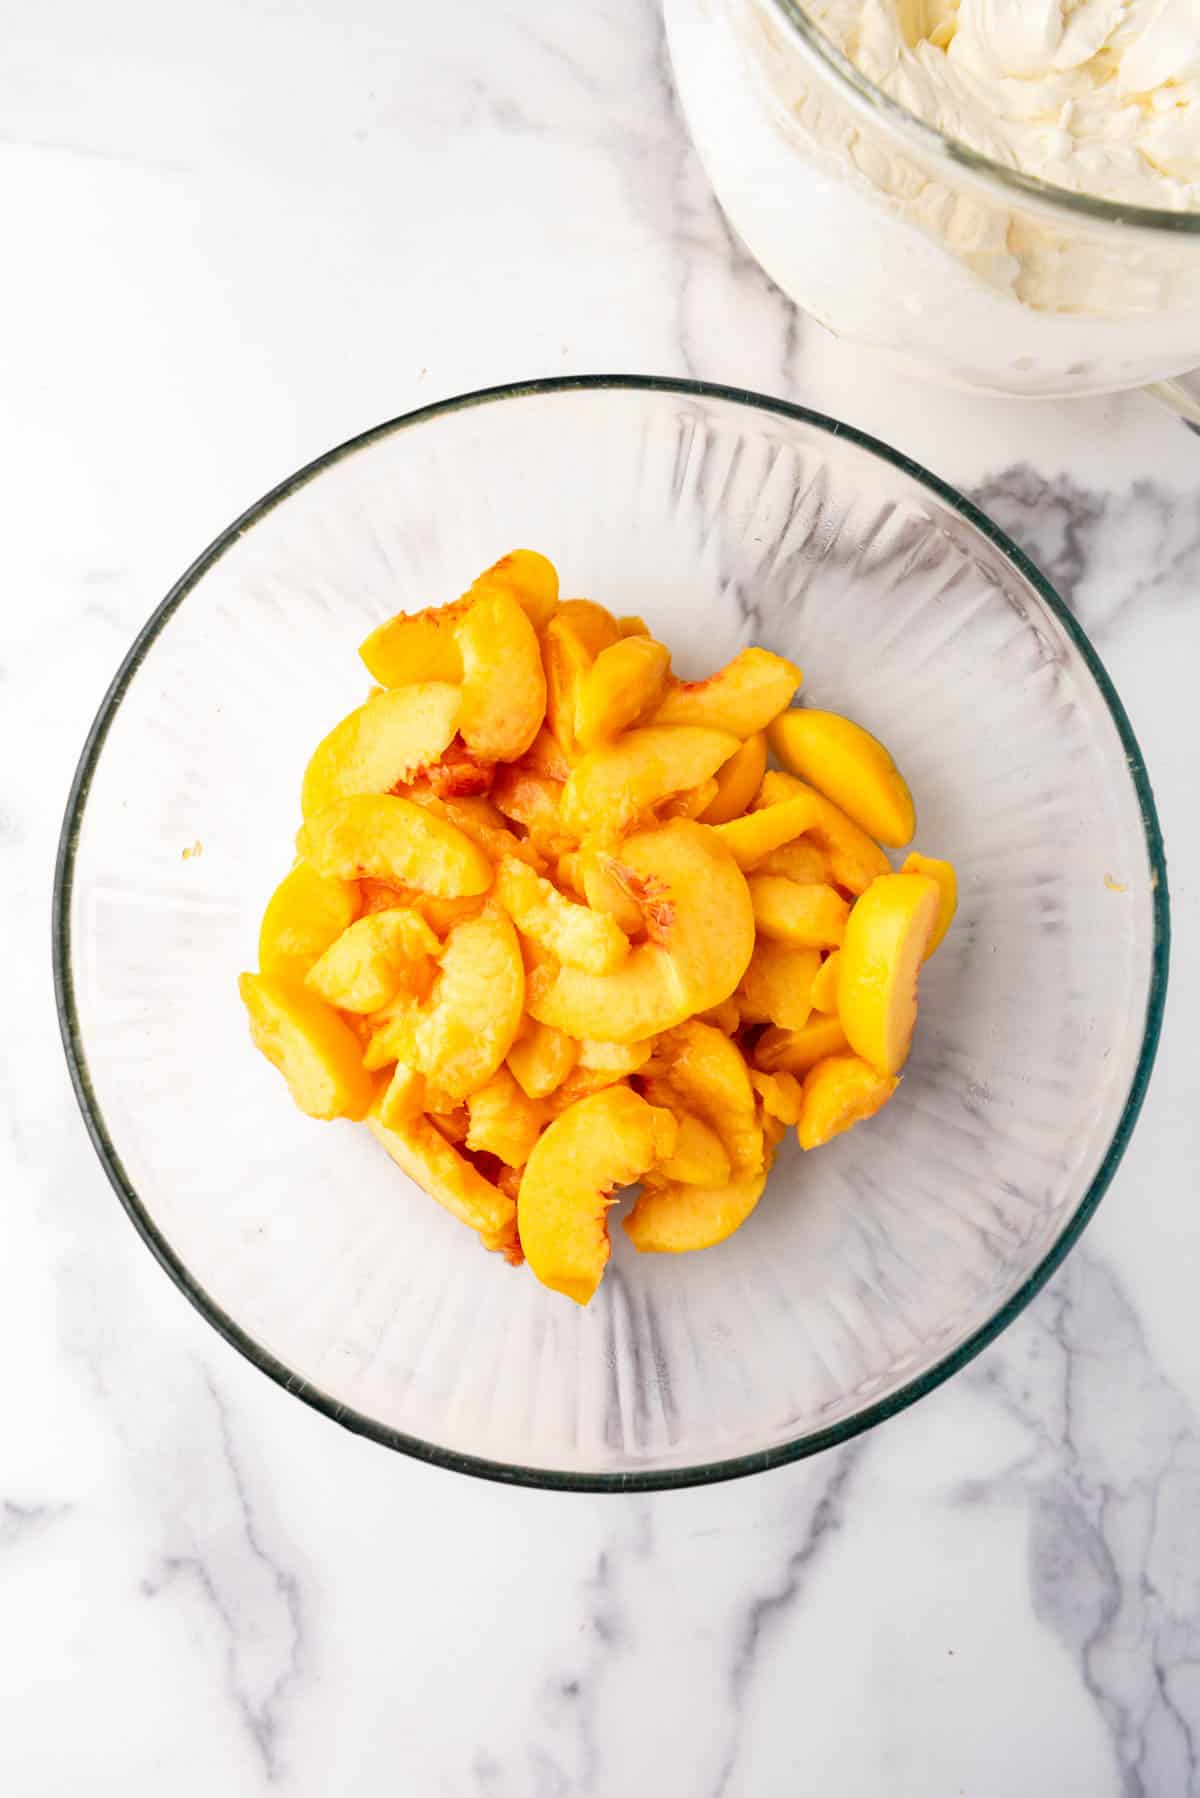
(738, 781)
(855, 859)
(887, 936)
(382, 743)
(415, 646)
(851, 767)
(566, 660)
(393, 1032)
(403, 1098)
(947, 880)
(418, 1147)
(459, 773)
(838, 1092)
(611, 785)
(751, 838)
(742, 697)
(478, 819)
(825, 984)
(696, 1068)
(672, 1218)
(727, 1016)
(623, 683)
(598, 1145)
(594, 625)
(374, 956)
(534, 801)
(504, 685)
(531, 578)
(795, 1051)
(799, 860)
(317, 1054)
(779, 1095)
(504, 1121)
(541, 1058)
(470, 1021)
(700, 927)
(699, 1157)
(604, 892)
(391, 839)
(690, 804)
(777, 986)
(306, 912)
(573, 934)
(617, 1059)
(809, 917)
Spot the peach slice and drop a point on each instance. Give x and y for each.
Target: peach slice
(738, 780)
(541, 1058)
(611, 785)
(415, 646)
(698, 1069)
(838, 1092)
(795, 1051)
(598, 1145)
(533, 800)
(504, 685)
(531, 578)
(566, 660)
(671, 1218)
(382, 743)
(418, 1147)
(504, 1121)
(887, 937)
(403, 1098)
(779, 1095)
(855, 860)
(690, 804)
(615, 1059)
(545, 757)
(471, 1018)
(573, 934)
(480, 820)
(317, 1054)
(809, 917)
(851, 767)
(825, 984)
(742, 697)
(947, 880)
(777, 986)
(623, 683)
(726, 1017)
(393, 1033)
(392, 839)
(594, 625)
(604, 892)
(700, 923)
(374, 956)
(750, 839)
(306, 912)
(799, 860)
(699, 1157)
(631, 624)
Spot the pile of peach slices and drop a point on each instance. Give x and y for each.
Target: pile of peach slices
(556, 928)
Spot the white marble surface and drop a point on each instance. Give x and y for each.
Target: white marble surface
(233, 237)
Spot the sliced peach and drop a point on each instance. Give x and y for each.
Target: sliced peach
(594, 625)
(701, 1071)
(441, 915)
(699, 1157)
(887, 937)
(742, 697)
(393, 1032)
(617, 1059)
(604, 891)
(799, 860)
(480, 820)
(947, 881)
(531, 578)
(738, 780)
(382, 743)
(623, 683)
(631, 624)
(795, 1051)
(851, 767)
(777, 986)
(404, 1097)
(600, 1144)
(541, 1058)
(566, 660)
(611, 785)
(690, 804)
(750, 839)
(374, 956)
(415, 646)
(459, 773)
(810, 917)
(503, 686)
(533, 800)
(544, 756)
(504, 1121)
(700, 924)
(419, 1147)
(317, 1054)
(392, 839)
(727, 1016)
(306, 912)
(573, 934)
(825, 984)
(838, 1092)
(779, 1095)
(855, 860)
(672, 1218)
(470, 1021)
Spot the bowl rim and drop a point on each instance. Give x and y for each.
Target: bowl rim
(360, 1423)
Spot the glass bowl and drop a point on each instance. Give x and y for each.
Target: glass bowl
(872, 1268)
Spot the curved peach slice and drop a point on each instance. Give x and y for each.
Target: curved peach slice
(799, 860)
(541, 1058)
(631, 624)
(851, 767)
(742, 697)
(616, 1059)
(622, 684)
(594, 625)
(418, 1146)
(947, 880)
(573, 934)
(317, 1054)
(839, 1092)
(701, 1071)
(503, 686)
(306, 912)
(374, 956)
(672, 1218)
(701, 928)
(392, 839)
(471, 1018)
(504, 1121)
(604, 891)
(886, 939)
(531, 578)
(599, 1144)
(382, 743)
(566, 660)
(810, 917)
(751, 838)
(825, 984)
(855, 859)
(415, 646)
(404, 1096)
(690, 804)
(795, 1051)
(738, 780)
(611, 785)
(779, 1095)
(777, 986)
(393, 1033)
(699, 1157)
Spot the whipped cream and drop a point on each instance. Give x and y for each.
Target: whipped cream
(1098, 96)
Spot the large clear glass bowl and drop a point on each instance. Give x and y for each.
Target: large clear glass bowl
(872, 1268)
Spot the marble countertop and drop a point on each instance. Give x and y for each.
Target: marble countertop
(233, 239)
